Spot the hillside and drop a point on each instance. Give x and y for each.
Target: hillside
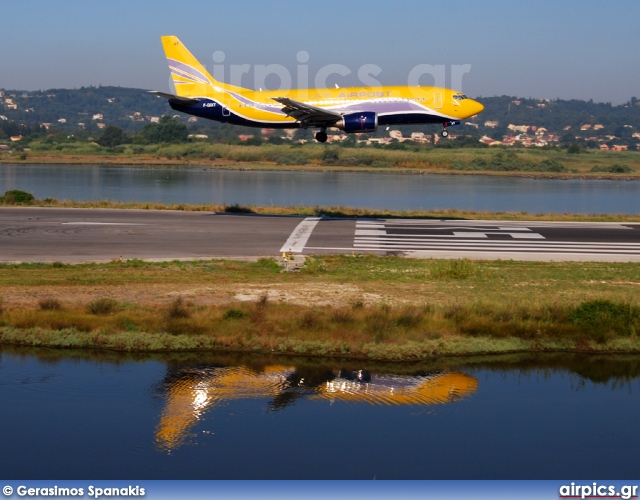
(508, 120)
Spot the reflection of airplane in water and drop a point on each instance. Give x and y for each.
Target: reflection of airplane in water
(399, 390)
(190, 392)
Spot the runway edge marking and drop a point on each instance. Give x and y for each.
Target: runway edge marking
(300, 235)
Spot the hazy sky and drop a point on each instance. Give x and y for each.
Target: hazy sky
(583, 49)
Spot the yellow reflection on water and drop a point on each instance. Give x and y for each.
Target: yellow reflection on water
(189, 396)
(191, 392)
(436, 389)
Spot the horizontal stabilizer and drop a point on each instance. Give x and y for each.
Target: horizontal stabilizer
(177, 98)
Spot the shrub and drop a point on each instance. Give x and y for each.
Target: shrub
(606, 316)
(378, 324)
(510, 162)
(330, 156)
(409, 317)
(103, 306)
(49, 304)
(574, 149)
(342, 315)
(16, 196)
(616, 168)
(349, 161)
(309, 320)
(234, 314)
(166, 130)
(380, 164)
(177, 309)
(291, 160)
(550, 166)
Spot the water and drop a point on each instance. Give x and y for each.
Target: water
(362, 190)
(75, 415)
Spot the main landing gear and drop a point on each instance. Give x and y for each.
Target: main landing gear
(444, 133)
(321, 136)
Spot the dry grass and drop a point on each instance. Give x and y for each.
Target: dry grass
(382, 307)
(339, 211)
(288, 328)
(421, 159)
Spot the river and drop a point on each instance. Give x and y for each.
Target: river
(77, 415)
(361, 190)
(82, 415)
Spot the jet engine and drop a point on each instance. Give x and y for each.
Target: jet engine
(363, 121)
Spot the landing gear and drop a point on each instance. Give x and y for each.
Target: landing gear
(445, 132)
(321, 136)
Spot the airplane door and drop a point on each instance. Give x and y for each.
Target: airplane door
(437, 100)
(226, 107)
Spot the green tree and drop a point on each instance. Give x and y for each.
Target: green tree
(111, 137)
(167, 130)
(574, 149)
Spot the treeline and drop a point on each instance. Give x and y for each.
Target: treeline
(80, 111)
(10, 129)
(564, 117)
(558, 114)
(65, 109)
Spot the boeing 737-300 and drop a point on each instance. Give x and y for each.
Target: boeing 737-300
(352, 110)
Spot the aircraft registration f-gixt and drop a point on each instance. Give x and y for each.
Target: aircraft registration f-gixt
(352, 110)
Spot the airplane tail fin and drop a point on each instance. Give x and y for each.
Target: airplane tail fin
(190, 78)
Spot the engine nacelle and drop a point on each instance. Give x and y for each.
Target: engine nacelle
(364, 121)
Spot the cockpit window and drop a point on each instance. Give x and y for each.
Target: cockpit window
(460, 97)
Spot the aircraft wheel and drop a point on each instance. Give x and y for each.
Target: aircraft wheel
(321, 136)
(444, 133)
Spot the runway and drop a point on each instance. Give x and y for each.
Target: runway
(101, 235)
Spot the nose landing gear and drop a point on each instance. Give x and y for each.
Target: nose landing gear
(445, 132)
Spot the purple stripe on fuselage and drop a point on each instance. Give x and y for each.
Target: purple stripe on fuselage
(379, 107)
(269, 108)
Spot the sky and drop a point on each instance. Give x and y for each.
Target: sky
(541, 49)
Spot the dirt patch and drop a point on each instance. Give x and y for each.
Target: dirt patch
(308, 294)
(324, 294)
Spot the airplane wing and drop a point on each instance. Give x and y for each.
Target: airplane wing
(171, 97)
(307, 114)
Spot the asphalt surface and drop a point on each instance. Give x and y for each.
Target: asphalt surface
(102, 235)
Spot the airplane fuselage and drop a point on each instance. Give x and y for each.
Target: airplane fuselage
(392, 105)
(353, 109)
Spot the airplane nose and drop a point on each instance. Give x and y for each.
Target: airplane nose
(475, 108)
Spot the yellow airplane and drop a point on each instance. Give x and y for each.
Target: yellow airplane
(352, 110)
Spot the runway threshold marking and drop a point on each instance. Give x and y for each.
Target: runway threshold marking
(300, 235)
(480, 238)
(388, 236)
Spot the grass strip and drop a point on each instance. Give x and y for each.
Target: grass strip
(9, 199)
(530, 162)
(379, 308)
